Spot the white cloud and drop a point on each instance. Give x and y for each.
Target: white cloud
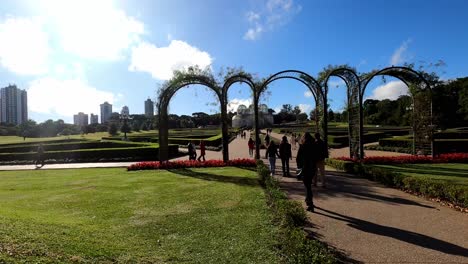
(391, 90)
(308, 94)
(305, 108)
(24, 46)
(161, 62)
(278, 109)
(93, 29)
(400, 54)
(65, 97)
(234, 104)
(274, 14)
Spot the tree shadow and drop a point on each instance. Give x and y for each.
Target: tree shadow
(342, 186)
(244, 181)
(399, 234)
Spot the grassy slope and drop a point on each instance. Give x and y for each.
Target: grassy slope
(213, 215)
(454, 173)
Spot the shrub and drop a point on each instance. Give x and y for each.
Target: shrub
(443, 158)
(432, 188)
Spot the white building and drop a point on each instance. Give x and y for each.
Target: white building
(81, 119)
(106, 111)
(93, 119)
(13, 105)
(125, 111)
(245, 117)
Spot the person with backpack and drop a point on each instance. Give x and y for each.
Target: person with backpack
(271, 154)
(251, 145)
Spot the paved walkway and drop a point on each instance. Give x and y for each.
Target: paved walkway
(364, 220)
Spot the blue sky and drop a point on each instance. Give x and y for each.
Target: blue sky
(73, 55)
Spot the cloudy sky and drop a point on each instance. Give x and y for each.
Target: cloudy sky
(72, 56)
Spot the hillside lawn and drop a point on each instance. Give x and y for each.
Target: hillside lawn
(214, 215)
(454, 173)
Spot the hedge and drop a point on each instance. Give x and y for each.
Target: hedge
(66, 146)
(440, 145)
(89, 155)
(433, 188)
(291, 218)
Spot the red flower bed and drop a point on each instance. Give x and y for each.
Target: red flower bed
(443, 158)
(156, 165)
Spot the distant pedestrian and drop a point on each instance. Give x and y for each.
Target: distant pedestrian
(191, 151)
(285, 155)
(267, 140)
(322, 154)
(244, 135)
(271, 154)
(40, 156)
(202, 150)
(293, 141)
(251, 145)
(307, 158)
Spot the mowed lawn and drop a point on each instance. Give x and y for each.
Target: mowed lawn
(215, 215)
(454, 173)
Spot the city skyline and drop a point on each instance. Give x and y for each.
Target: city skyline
(70, 65)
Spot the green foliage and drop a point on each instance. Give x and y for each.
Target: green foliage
(112, 129)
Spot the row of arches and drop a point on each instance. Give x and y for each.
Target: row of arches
(356, 85)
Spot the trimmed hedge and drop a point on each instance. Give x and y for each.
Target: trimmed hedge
(432, 188)
(67, 146)
(440, 145)
(290, 217)
(93, 155)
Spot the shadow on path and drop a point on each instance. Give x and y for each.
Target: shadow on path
(344, 186)
(399, 234)
(244, 181)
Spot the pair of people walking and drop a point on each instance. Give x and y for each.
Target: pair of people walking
(284, 154)
(311, 157)
(192, 152)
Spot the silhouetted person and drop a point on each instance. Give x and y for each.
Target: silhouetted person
(271, 154)
(267, 140)
(307, 159)
(285, 155)
(191, 151)
(202, 150)
(251, 145)
(322, 154)
(40, 155)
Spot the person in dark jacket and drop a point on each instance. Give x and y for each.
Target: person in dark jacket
(285, 155)
(271, 154)
(307, 157)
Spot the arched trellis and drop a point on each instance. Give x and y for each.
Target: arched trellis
(309, 81)
(354, 106)
(165, 96)
(230, 80)
(421, 94)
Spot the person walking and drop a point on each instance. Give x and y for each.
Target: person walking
(271, 154)
(202, 150)
(285, 155)
(251, 145)
(322, 154)
(293, 140)
(267, 140)
(40, 156)
(307, 158)
(191, 151)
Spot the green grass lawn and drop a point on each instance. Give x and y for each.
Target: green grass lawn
(454, 173)
(215, 215)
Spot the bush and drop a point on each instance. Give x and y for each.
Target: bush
(443, 158)
(432, 188)
(290, 217)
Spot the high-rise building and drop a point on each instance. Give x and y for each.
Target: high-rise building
(13, 105)
(149, 108)
(106, 111)
(125, 111)
(93, 119)
(81, 119)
